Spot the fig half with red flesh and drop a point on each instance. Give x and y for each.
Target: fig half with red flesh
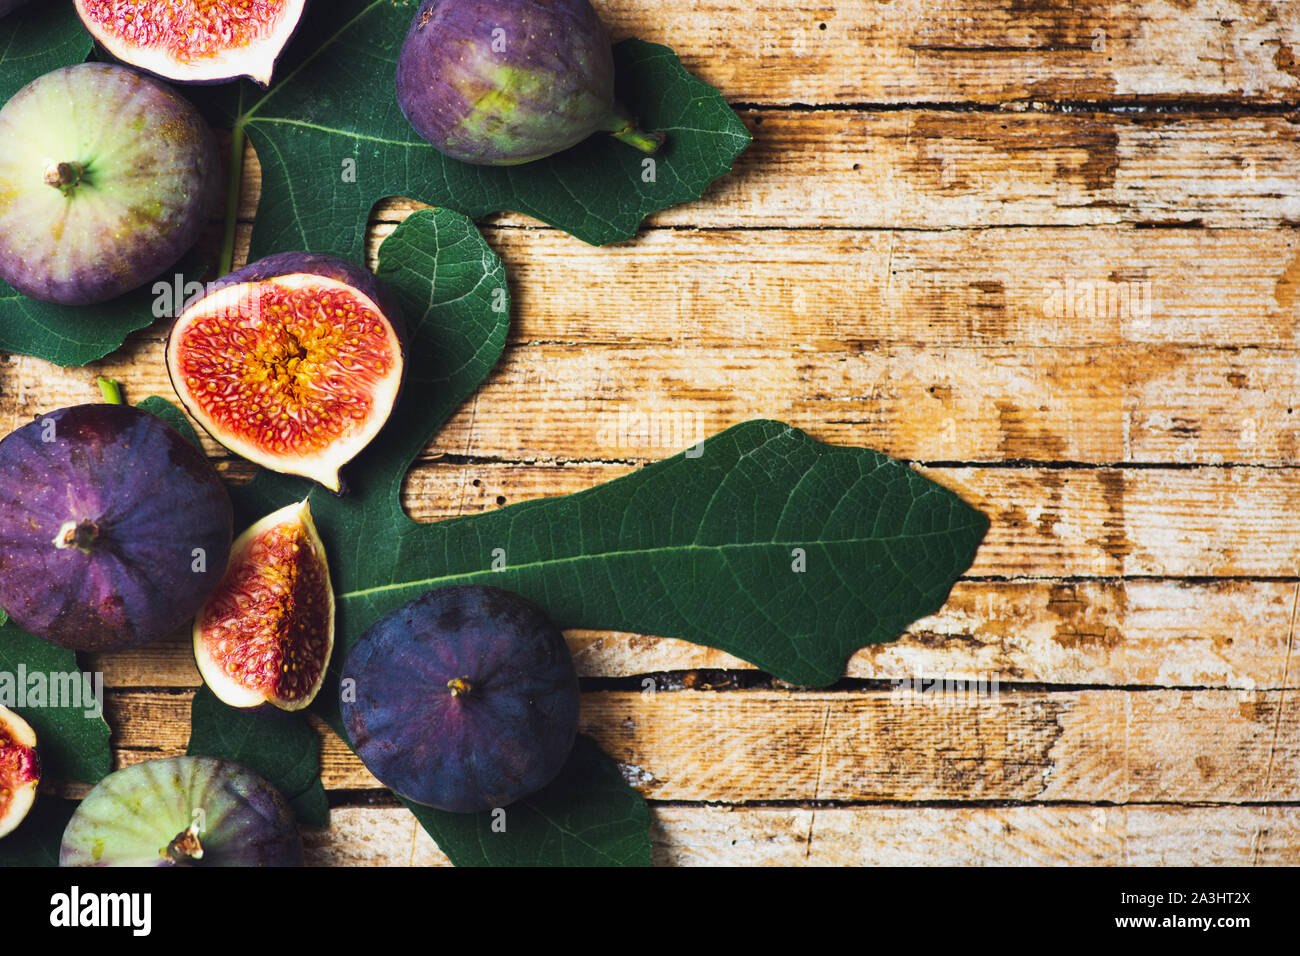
(266, 634)
(194, 41)
(20, 770)
(293, 362)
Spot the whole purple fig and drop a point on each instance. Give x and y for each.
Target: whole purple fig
(503, 82)
(113, 527)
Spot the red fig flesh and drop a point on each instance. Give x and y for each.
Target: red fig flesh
(293, 362)
(194, 41)
(266, 633)
(20, 770)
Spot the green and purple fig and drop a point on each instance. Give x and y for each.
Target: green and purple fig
(503, 82)
(113, 528)
(182, 811)
(106, 178)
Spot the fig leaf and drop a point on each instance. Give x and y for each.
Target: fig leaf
(46, 686)
(325, 164)
(36, 39)
(282, 747)
(707, 546)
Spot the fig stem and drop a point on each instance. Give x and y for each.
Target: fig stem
(65, 177)
(459, 686)
(110, 389)
(77, 534)
(624, 129)
(185, 846)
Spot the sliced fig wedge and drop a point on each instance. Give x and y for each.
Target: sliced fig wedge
(20, 770)
(195, 41)
(294, 362)
(266, 634)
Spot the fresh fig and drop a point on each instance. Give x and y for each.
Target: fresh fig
(464, 699)
(502, 82)
(20, 770)
(113, 527)
(266, 633)
(293, 362)
(195, 41)
(106, 178)
(9, 6)
(182, 811)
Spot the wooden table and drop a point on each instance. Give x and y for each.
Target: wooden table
(1045, 250)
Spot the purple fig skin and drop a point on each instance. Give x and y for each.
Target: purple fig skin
(503, 82)
(9, 6)
(106, 179)
(102, 510)
(465, 699)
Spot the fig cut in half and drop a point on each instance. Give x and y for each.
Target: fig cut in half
(20, 770)
(266, 634)
(293, 362)
(195, 41)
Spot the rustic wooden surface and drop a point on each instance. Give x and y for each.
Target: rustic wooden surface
(1045, 249)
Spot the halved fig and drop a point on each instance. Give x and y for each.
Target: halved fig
(20, 770)
(293, 362)
(195, 41)
(266, 634)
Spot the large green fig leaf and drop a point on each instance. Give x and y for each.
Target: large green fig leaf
(36, 39)
(282, 747)
(587, 816)
(332, 142)
(44, 684)
(761, 541)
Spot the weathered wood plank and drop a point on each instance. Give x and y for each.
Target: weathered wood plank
(1151, 404)
(887, 836)
(927, 169)
(1139, 632)
(836, 289)
(1112, 746)
(855, 51)
(830, 289)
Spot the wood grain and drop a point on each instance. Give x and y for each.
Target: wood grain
(898, 744)
(1104, 405)
(1138, 632)
(855, 51)
(887, 836)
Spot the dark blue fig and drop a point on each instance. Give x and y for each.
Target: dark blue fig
(113, 527)
(464, 699)
(502, 82)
